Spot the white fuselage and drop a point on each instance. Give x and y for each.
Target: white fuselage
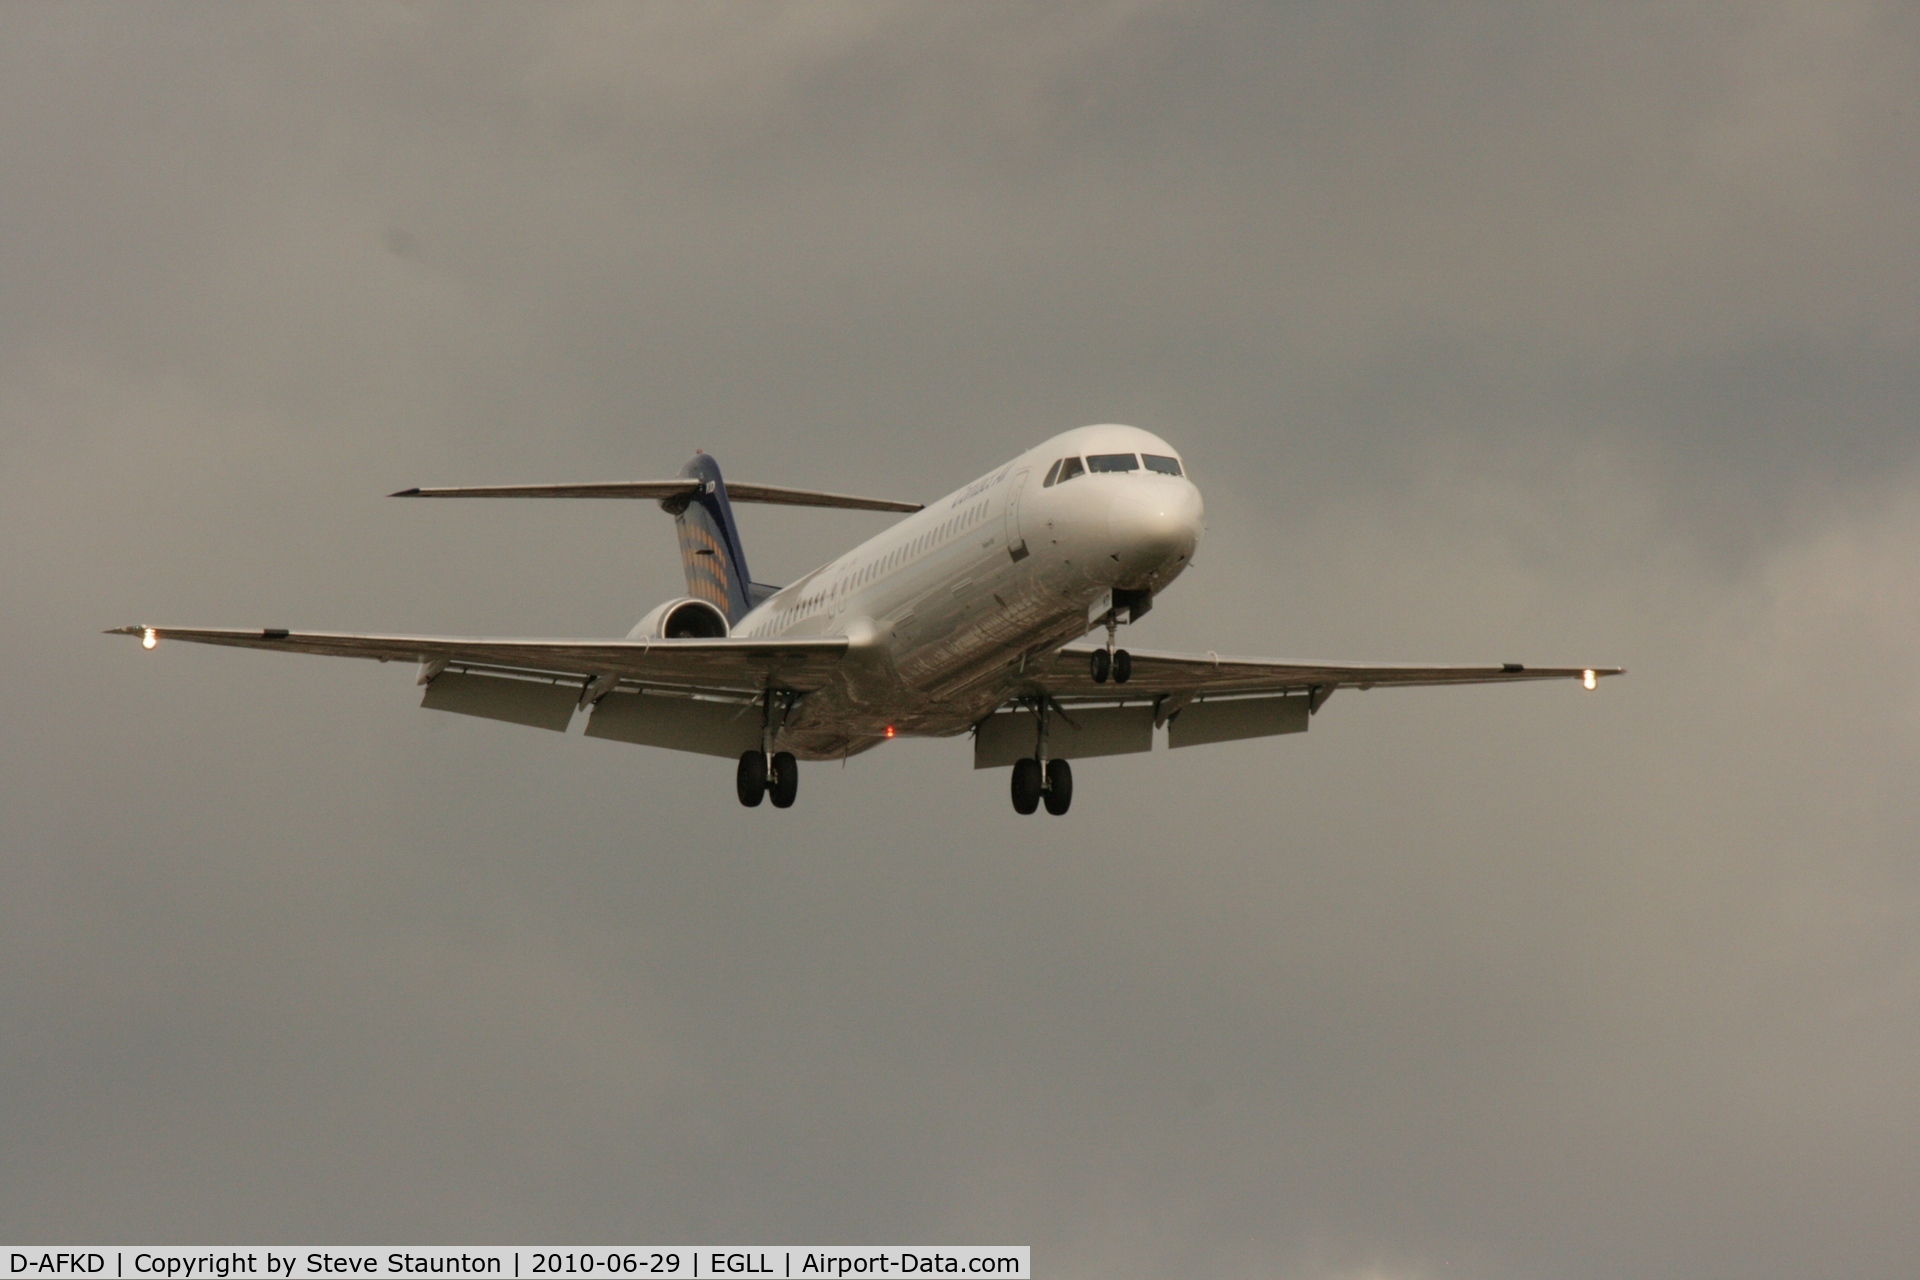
(946, 609)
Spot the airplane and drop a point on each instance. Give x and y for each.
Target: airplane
(963, 618)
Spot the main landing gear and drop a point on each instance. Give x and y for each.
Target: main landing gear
(1034, 781)
(766, 772)
(1033, 785)
(776, 777)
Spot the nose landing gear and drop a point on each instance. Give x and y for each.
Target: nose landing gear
(1110, 662)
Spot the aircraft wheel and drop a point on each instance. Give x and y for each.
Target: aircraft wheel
(1026, 785)
(1102, 666)
(750, 780)
(1122, 666)
(1059, 786)
(784, 785)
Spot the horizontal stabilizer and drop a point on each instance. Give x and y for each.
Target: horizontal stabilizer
(665, 491)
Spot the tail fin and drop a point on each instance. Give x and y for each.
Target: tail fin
(710, 553)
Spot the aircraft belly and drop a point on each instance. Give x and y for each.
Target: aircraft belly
(953, 652)
(975, 636)
(984, 622)
(828, 746)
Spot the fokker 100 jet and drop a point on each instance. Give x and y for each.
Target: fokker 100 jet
(959, 619)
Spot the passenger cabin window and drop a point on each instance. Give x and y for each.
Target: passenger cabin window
(1165, 466)
(1112, 462)
(1069, 468)
(1052, 472)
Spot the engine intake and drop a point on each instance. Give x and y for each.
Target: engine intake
(686, 618)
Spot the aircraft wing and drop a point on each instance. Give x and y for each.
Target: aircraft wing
(730, 665)
(1069, 676)
(1202, 698)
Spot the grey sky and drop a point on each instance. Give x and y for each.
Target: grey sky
(1503, 333)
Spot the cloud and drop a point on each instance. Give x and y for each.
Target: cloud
(1511, 334)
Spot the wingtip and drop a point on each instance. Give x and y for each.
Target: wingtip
(406, 493)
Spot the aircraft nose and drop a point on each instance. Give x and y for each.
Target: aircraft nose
(1156, 521)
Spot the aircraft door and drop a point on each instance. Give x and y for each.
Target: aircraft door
(1016, 541)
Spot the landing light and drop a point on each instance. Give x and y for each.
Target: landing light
(889, 731)
(1589, 679)
(148, 639)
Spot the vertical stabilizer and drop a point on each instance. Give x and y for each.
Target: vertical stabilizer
(710, 553)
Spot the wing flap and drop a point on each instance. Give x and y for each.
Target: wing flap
(700, 725)
(530, 702)
(1006, 736)
(1233, 719)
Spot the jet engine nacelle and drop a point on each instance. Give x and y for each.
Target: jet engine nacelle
(685, 618)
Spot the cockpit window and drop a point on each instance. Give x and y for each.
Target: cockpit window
(1069, 468)
(1052, 472)
(1112, 462)
(1165, 466)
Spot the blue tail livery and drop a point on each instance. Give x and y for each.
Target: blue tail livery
(710, 551)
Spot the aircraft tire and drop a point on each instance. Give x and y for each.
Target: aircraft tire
(1026, 785)
(1102, 666)
(750, 779)
(1122, 666)
(1059, 795)
(784, 785)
